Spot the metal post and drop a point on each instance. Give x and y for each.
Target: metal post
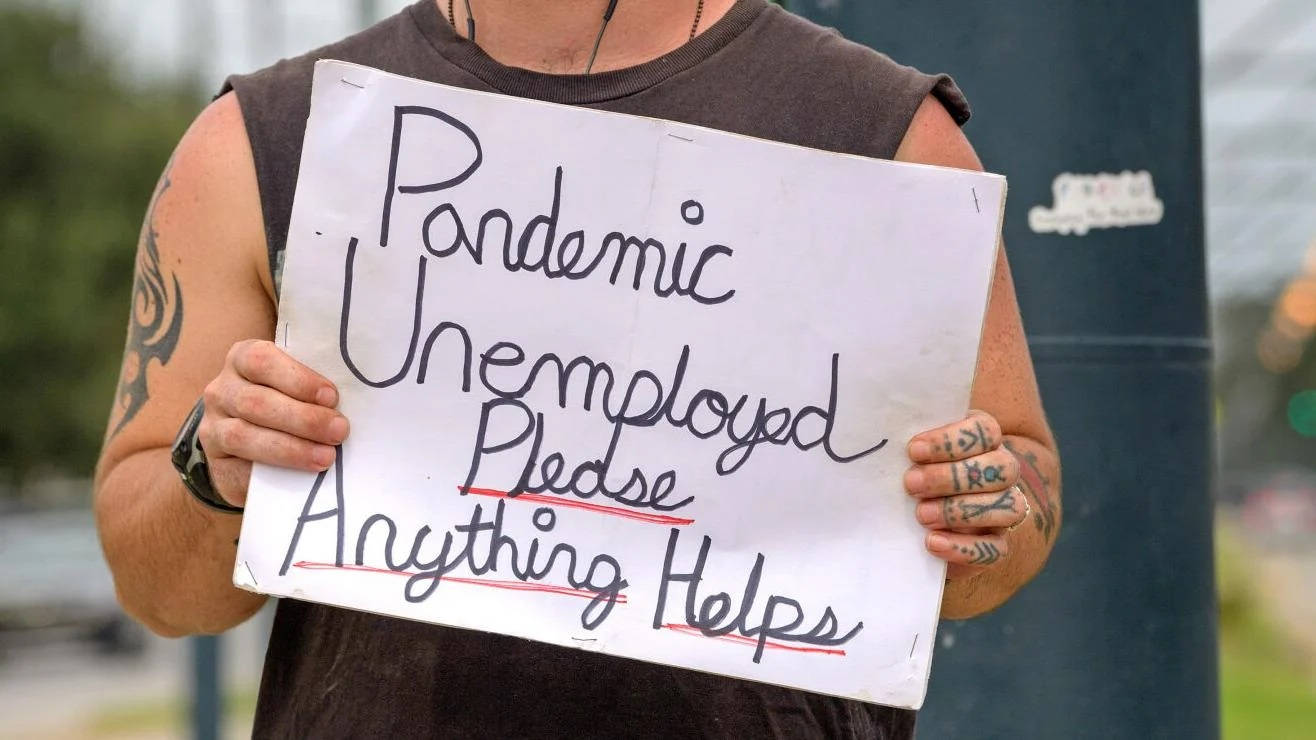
(1117, 638)
(207, 705)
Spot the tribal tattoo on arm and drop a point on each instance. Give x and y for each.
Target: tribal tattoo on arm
(155, 321)
(1038, 486)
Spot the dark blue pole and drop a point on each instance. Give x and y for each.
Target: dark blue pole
(1117, 638)
(207, 707)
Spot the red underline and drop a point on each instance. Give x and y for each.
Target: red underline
(571, 503)
(741, 639)
(492, 583)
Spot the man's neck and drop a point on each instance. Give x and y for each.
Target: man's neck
(556, 36)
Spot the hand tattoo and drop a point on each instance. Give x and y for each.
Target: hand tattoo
(968, 512)
(977, 475)
(983, 553)
(976, 438)
(1035, 484)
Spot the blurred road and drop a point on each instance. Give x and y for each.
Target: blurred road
(65, 689)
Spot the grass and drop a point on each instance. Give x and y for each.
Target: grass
(169, 718)
(1267, 690)
(1263, 698)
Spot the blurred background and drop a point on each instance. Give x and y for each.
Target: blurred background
(96, 92)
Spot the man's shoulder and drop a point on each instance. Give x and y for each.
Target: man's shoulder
(840, 95)
(823, 48)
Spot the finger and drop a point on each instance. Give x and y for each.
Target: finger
(269, 408)
(988, 510)
(230, 477)
(958, 548)
(994, 471)
(239, 438)
(264, 363)
(975, 434)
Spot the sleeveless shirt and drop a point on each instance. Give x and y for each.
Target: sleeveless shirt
(331, 672)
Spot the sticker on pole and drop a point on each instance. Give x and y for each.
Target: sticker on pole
(1102, 201)
(622, 384)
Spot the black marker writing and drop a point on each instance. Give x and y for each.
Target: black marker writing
(538, 249)
(713, 616)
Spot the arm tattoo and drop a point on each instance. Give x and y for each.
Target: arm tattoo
(155, 322)
(1034, 483)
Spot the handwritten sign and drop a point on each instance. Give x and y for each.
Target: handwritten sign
(622, 384)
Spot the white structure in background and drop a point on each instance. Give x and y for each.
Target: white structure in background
(210, 39)
(1259, 105)
(1259, 102)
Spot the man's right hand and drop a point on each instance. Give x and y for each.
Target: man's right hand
(266, 407)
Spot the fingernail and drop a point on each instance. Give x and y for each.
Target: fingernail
(926, 512)
(915, 481)
(338, 428)
(326, 397)
(920, 451)
(938, 542)
(322, 456)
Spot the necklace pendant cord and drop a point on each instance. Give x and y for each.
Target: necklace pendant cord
(594, 53)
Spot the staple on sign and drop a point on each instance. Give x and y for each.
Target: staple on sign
(346, 81)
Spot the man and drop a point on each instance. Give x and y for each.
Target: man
(208, 270)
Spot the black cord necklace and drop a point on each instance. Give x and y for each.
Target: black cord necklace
(607, 16)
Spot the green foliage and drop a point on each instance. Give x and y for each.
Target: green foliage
(79, 155)
(1266, 691)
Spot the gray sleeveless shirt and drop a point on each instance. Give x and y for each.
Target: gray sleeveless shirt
(330, 672)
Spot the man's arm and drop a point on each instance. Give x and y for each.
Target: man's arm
(1005, 387)
(200, 286)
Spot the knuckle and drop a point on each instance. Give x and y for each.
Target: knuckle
(249, 403)
(213, 395)
(231, 433)
(241, 351)
(235, 350)
(259, 356)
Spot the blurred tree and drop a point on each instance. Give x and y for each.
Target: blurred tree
(80, 152)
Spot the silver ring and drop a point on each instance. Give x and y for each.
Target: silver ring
(1028, 508)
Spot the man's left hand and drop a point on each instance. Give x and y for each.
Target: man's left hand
(965, 482)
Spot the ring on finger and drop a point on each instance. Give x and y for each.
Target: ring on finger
(1028, 508)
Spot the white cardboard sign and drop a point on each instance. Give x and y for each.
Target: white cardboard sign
(622, 384)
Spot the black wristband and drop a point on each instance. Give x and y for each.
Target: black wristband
(190, 462)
